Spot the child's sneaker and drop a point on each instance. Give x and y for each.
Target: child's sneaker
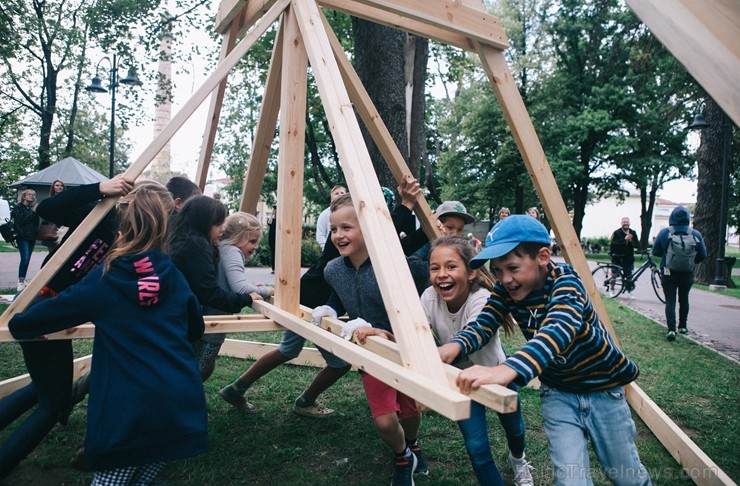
(421, 464)
(404, 471)
(522, 471)
(316, 410)
(236, 400)
(671, 336)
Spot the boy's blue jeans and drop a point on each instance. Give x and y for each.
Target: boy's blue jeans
(570, 419)
(475, 433)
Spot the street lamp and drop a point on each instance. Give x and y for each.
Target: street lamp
(96, 86)
(699, 124)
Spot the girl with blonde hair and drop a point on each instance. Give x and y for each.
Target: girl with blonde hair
(144, 360)
(241, 237)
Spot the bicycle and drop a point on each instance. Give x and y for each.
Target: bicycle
(612, 279)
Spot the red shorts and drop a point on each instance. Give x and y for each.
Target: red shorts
(384, 399)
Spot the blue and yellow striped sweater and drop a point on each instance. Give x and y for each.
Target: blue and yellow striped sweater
(568, 347)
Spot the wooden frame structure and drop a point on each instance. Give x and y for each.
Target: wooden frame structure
(412, 365)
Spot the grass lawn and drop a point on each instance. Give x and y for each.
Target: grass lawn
(276, 447)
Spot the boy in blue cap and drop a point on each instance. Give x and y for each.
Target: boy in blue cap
(581, 369)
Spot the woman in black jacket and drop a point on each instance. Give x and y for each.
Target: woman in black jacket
(27, 225)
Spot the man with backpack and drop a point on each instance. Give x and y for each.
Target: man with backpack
(681, 248)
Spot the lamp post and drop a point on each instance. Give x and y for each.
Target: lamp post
(96, 86)
(699, 124)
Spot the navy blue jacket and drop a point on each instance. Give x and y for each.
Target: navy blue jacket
(147, 402)
(680, 220)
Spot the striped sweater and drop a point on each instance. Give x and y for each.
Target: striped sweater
(568, 347)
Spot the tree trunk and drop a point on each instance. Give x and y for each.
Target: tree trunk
(709, 190)
(388, 63)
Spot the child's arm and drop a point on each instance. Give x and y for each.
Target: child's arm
(61, 312)
(472, 378)
(232, 264)
(362, 334)
(476, 334)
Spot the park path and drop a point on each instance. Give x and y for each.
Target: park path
(714, 319)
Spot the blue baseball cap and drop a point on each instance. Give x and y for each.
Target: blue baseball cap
(507, 234)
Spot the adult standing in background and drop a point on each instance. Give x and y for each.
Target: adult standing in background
(57, 187)
(27, 224)
(673, 281)
(322, 224)
(622, 248)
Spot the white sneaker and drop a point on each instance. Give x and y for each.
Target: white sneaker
(21, 286)
(522, 471)
(631, 297)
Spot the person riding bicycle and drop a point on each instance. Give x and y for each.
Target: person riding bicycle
(622, 248)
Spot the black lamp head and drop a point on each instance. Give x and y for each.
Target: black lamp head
(699, 123)
(96, 86)
(131, 78)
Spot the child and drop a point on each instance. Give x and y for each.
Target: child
(457, 295)
(581, 369)
(291, 344)
(50, 362)
(144, 361)
(197, 229)
(356, 291)
(240, 238)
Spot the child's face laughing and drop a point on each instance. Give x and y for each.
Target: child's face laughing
(347, 236)
(521, 275)
(450, 277)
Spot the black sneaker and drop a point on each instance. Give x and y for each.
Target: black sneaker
(236, 400)
(671, 336)
(683, 330)
(421, 464)
(404, 471)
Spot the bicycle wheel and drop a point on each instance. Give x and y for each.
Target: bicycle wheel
(609, 279)
(657, 284)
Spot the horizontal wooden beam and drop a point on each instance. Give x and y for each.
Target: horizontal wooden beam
(255, 350)
(448, 15)
(214, 324)
(440, 397)
(374, 14)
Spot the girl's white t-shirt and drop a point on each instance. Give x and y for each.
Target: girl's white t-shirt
(445, 324)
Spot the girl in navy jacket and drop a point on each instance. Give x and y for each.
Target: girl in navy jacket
(143, 362)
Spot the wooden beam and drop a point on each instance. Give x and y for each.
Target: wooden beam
(293, 90)
(379, 132)
(255, 350)
(214, 324)
(214, 111)
(141, 163)
(417, 385)
(497, 397)
(705, 37)
(80, 366)
(699, 467)
(450, 16)
(265, 133)
(374, 14)
(402, 304)
(227, 11)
